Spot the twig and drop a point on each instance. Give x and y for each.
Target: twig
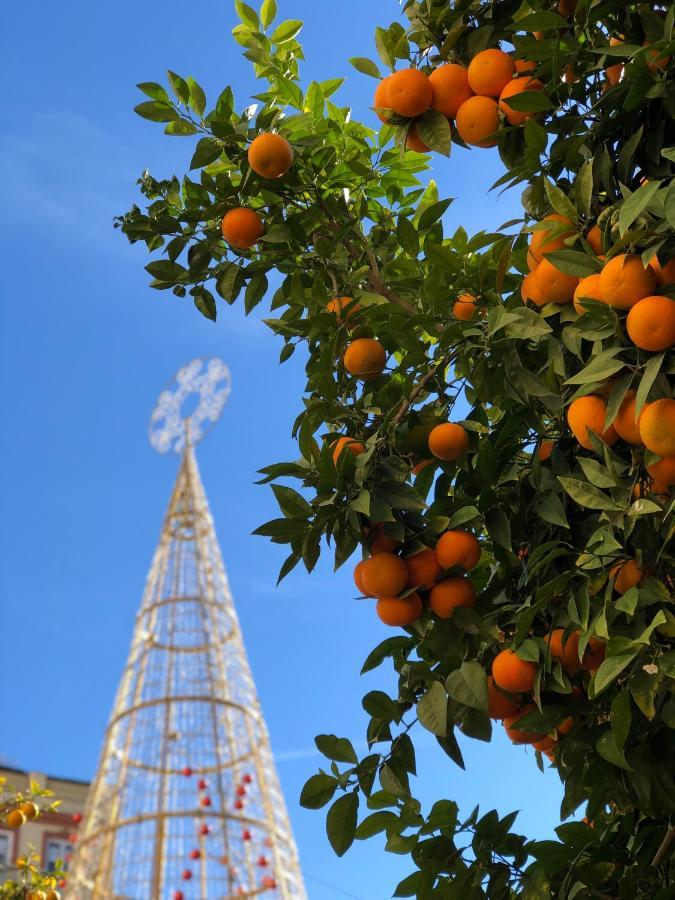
(665, 847)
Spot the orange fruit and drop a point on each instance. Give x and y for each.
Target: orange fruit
(464, 307)
(544, 450)
(589, 412)
(409, 93)
(545, 744)
(338, 305)
(513, 674)
(624, 280)
(657, 427)
(30, 810)
(381, 99)
(365, 358)
(241, 227)
(664, 274)
(500, 705)
(651, 323)
(423, 569)
(587, 289)
(663, 470)
(655, 58)
(565, 726)
(625, 423)
(566, 8)
(524, 65)
(421, 466)
(451, 88)
(555, 286)
(512, 730)
(358, 578)
(14, 819)
(397, 611)
(458, 548)
(593, 654)
(448, 441)
(384, 575)
(614, 73)
(489, 71)
(532, 263)
(447, 595)
(270, 155)
(355, 447)
(517, 86)
(546, 240)
(477, 120)
(530, 291)
(594, 238)
(565, 648)
(656, 488)
(414, 142)
(626, 574)
(380, 542)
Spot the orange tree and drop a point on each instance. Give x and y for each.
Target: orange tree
(488, 421)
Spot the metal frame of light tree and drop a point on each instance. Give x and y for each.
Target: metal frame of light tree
(186, 801)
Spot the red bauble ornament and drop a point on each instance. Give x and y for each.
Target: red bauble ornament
(62, 882)
(187, 874)
(268, 882)
(238, 804)
(195, 854)
(178, 895)
(241, 791)
(205, 829)
(262, 860)
(187, 771)
(202, 784)
(246, 835)
(206, 801)
(77, 818)
(247, 779)
(72, 838)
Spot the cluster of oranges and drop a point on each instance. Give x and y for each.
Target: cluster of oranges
(403, 584)
(473, 97)
(513, 678)
(24, 812)
(270, 156)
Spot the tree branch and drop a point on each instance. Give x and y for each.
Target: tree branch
(665, 847)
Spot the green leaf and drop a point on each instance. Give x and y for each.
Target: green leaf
(550, 509)
(278, 233)
(432, 710)
(388, 647)
(268, 12)
(600, 367)
(333, 747)
(468, 685)
(499, 527)
(381, 706)
(540, 21)
(574, 262)
(407, 236)
(286, 31)
(247, 14)
(318, 791)
(341, 822)
(164, 270)
(365, 66)
(376, 823)
(649, 376)
(529, 101)
(433, 213)
(586, 495)
(607, 748)
(181, 128)
(620, 718)
(208, 150)
(255, 291)
(156, 111)
(434, 129)
(197, 97)
(206, 304)
(596, 473)
(292, 504)
(559, 200)
(154, 90)
(635, 205)
(463, 515)
(610, 669)
(180, 87)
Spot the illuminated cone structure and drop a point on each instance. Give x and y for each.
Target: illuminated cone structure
(186, 802)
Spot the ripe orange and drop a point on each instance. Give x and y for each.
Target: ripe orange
(655, 58)
(587, 289)
(517, 86)
(365, 358)
(30, 810)
(338, 305)
(421, 466)
(594, 238)
(546, 240)
(664, 274)
(270, 155)
(52, 895)
(355, 447)
(399, 612)
(625, 423)
(414, 142)
(593, 654)
(513, 674)
(409, 93)
(380, 542)
(663, 471)
(500, 705)
(565, 726)
(565, 648)
(381, 99)
(545, 744)
(530, 291)
(589, 412)
(555, 286)
(544, 450)
(651, 323)
(566, 8)
(477, 121)
(512, 730)
(448, 441)
(15, 819)
(458, 548)
(241, 227)
(464, 307)
(358, 579)
(447, 595)
(624, 280)
(423, 569)
(524, 65)
(657, 427)
(626, 574)
(384, 575)
(656, 488)
(451, 88)
(532, 263)
(489, 71)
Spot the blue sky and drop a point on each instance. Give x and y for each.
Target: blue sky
(86, 347)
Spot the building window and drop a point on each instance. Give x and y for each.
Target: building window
(5, 850)
(57, 849)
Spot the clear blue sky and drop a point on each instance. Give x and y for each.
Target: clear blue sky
(86, 347)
